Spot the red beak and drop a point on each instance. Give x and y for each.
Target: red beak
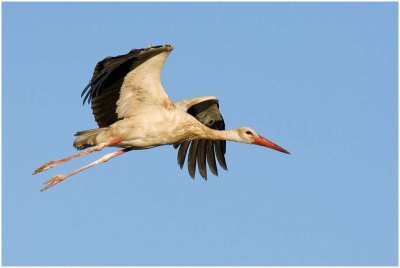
(264, 142)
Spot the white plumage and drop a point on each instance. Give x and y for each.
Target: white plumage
(133, 111)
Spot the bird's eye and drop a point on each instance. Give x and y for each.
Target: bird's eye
(249, 133)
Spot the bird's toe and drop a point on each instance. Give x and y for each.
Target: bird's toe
(53, 181)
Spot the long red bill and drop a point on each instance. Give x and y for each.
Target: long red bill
(264, 142)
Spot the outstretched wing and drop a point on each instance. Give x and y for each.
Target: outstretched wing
(120, 84)
(206, 111)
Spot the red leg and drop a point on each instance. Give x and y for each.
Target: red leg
(58, 178)
(98, 147)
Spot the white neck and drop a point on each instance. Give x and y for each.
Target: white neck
(231, 135)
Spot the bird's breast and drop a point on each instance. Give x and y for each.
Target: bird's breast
(156, 127)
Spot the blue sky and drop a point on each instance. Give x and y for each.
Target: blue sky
(319, 79)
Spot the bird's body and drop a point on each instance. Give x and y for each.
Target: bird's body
(133, 111)
(156, 126)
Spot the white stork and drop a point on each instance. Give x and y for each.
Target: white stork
(133, 111)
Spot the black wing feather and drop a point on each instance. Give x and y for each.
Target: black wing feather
(192, 158)
(211, 157)
(220, 147)
(201, 158)
(182, 152)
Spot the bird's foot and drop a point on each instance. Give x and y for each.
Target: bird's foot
(53, 181)
(46, 166)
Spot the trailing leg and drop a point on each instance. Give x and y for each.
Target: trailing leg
(98, 147)
(58, 178)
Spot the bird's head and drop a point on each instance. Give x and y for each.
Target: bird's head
(153, 50)
(250, 136)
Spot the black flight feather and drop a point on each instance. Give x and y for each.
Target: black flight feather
(203, 151)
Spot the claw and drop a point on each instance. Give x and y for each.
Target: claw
(53, 181)
(44, 167)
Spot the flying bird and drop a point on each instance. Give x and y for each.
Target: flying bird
(134, 112)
